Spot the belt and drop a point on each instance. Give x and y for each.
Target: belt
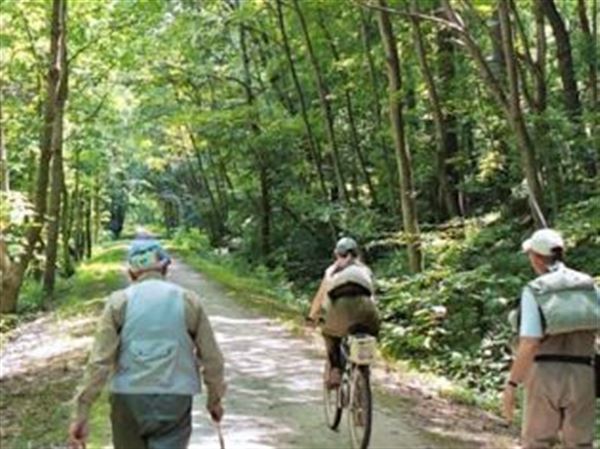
(579, 360)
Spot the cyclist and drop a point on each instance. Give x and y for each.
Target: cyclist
(346, 294)
(151, 338)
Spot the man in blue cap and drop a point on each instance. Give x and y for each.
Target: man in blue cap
(151, 339)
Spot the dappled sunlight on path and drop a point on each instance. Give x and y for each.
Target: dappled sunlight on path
(274, 385)
(42, 341)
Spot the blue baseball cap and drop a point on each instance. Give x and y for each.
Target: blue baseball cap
(146, 254)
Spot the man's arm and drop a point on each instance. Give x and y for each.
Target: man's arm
(526, 351)
(318, 300)
(207, 351)
(103, 356)
(530, 335)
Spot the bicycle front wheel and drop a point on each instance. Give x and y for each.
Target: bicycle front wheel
(360, 410)
(333, 404)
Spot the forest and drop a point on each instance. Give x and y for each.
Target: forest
(254, 133)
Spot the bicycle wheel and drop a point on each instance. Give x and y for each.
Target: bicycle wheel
(333, 404)
(360, 410)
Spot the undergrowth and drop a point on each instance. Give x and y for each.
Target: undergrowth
(450, 319)
(35, 407)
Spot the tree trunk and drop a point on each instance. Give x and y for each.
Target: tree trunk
(447, 199)
(509, 105)
(516, 114)
(275, 80)
(498, 62)
(260, 157)
(564, 57)
(97, 211)
(540, 101)
(76, 206)
(12, 281)
(56, 187)
(389, 169)
(407, 197)
(88, 227)
(215, 219)
(66, 228)
(354, 137)
(4, 173)
(325, 106)
(312, 142)
(592, 59)
(446, 59)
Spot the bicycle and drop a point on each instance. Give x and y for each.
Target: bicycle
(354, 391)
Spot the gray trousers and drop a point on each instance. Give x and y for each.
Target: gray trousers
(151, 421)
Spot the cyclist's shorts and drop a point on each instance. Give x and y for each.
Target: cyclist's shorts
(346, 312)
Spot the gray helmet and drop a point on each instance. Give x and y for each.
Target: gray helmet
(346, 245)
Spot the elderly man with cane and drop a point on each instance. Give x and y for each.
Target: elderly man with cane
(152, 339)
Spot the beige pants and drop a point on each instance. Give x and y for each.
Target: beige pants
(559, 398)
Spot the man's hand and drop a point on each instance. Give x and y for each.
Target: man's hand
(78, 433)
(508, 402)
(216, 411)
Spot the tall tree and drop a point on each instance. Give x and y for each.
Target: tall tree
(509, 102)
(4, 174)
(407, 196)
(313, 144)
(12, 278)
(350, 110)
(564, 58)
(56, 187)
(325, 102)
(447, 196)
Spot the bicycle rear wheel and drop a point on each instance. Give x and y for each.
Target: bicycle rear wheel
(360, 410)
(333, 404)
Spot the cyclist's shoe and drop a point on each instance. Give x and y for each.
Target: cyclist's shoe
(334, 379)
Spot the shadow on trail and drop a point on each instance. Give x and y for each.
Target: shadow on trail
(274, 397)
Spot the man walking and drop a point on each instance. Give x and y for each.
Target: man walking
(559, 319)
(152, 338)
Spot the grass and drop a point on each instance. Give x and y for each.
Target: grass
(35, 407)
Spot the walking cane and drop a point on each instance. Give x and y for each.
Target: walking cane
(220, 433)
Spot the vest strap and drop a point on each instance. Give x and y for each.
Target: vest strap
(561, 358)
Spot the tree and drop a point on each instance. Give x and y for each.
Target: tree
(509, 101)
(13, 275)
(407, 197)
(57, 185)
(447, 192)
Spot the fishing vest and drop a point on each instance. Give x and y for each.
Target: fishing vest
(354, 280)
(157, 355)
(568, 301)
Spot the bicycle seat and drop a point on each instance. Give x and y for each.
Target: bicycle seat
(359, 329)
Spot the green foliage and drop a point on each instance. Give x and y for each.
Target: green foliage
(258, 284)
(41, 411)
(452, 318)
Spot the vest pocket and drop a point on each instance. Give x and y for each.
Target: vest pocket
(152, 363)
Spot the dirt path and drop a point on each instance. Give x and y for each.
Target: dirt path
(274, 395)
(274, 377)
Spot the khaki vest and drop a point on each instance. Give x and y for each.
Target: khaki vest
(579, 344)
(568, 301)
